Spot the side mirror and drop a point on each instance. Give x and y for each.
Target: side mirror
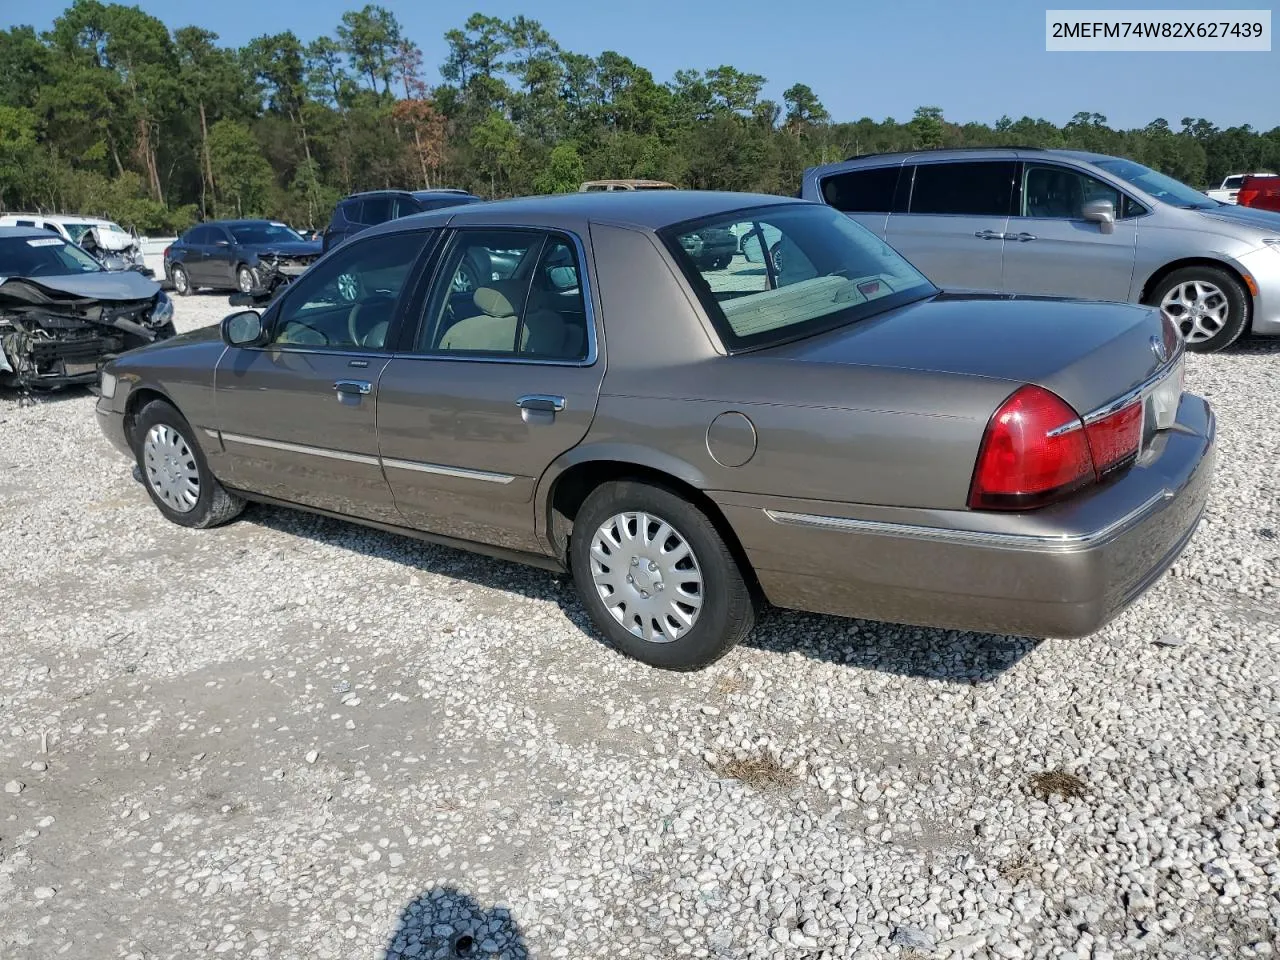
(243, 329)
(1101, 212)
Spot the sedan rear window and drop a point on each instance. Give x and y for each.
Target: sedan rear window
(772, 274)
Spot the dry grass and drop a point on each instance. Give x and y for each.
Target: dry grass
(1066, 785)
(1018, 868)
(730, 683)
(760, 770)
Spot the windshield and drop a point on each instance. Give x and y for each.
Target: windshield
(264, 233)
(779, 272)
(43, 257)
(1161, 187)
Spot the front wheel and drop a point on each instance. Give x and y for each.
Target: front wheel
(175, 473)
(181, 282)
(246, 280)
(1209, 306)
(657, 578)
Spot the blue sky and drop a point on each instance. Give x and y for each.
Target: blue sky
(878, 59)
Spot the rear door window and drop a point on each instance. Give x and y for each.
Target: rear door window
(862, 191)
(376, 210)
(974, 188)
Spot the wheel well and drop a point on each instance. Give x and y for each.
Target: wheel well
(571, 489)
(1158, 277)
(133, 406)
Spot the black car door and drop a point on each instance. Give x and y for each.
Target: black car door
(221, 257)
(191, 250)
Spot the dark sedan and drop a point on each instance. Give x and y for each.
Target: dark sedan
(242, 255)
(360, 211)
(830, 433)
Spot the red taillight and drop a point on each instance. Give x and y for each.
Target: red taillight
(165, 254)
(1170, 333)
(1115, 438)
(1034, 451)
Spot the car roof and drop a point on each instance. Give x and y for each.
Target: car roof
(63, 218)
(638, 209)
(958, 153)
(11, 232)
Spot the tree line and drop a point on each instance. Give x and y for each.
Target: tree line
(112, 113)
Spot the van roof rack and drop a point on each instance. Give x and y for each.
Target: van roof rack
(903, 153)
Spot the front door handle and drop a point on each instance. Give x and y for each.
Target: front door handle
(1020, 237)
(541, 401)
(989, 235)
(361, 387)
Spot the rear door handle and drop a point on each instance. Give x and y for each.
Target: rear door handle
(1020, 237)
(361, 387)
(989, 235)
(541, 401)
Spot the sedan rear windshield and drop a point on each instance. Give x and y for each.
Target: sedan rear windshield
(43, 257)
(772, 274)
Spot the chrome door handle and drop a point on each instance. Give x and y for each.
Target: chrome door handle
(541, 401)
(361, 387)
(1020, 237)
(989, 235)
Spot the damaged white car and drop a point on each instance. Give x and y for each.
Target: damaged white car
(62, 314)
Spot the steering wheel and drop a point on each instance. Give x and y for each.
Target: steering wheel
(365, 316)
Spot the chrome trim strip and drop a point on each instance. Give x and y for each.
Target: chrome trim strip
(1063, 543)
(1125, 399)
(213, 433)
(302, 448)
(444, 471)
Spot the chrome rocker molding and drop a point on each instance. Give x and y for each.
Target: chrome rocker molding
(1049, 543)
(364, 458)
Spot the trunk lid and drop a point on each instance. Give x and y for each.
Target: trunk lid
(1086, 353)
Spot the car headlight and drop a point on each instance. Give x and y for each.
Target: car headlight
(107, 385)
(162, 312)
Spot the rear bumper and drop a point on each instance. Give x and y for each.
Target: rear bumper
(1064, 571)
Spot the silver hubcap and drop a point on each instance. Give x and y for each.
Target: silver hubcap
(171, 468)
(246, 281)
(180, 281)
(647, 576)
(1199, 309)
(347, 288)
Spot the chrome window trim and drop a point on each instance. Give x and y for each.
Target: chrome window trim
(584, 281)
(364, 458)
(1050, 543)
(441, 470)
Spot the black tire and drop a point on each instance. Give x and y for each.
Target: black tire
(184, 288)
(1239, 305)
(214, 505)
(246, 279)
(727, 613)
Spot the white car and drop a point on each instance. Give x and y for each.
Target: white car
(1231, 186)
(113, 239)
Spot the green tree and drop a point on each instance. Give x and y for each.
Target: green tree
(239, 168)
(563, 172)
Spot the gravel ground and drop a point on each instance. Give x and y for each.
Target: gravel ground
(295, 738)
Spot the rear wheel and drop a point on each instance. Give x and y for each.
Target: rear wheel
(1209, 306)
(181, 282)
(657, 578)
(174, 470)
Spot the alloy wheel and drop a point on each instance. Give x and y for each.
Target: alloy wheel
(1199, 308)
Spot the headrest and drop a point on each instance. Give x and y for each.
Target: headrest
(493, 302)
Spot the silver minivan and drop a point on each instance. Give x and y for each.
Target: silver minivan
(1062, 223)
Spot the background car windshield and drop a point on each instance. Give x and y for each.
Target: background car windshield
(43, 257)
(798, 269)
(264, 233)
(1161, 187)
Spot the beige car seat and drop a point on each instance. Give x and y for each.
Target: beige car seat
(493, 330)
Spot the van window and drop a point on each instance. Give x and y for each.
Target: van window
(973, 188)
(375, 210)
(862, 191)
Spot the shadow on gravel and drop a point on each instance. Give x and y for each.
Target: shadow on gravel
(948, 655)
(447, 923)
(1253, 347)
(29, 398)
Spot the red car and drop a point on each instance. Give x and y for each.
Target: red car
(1261, 193)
